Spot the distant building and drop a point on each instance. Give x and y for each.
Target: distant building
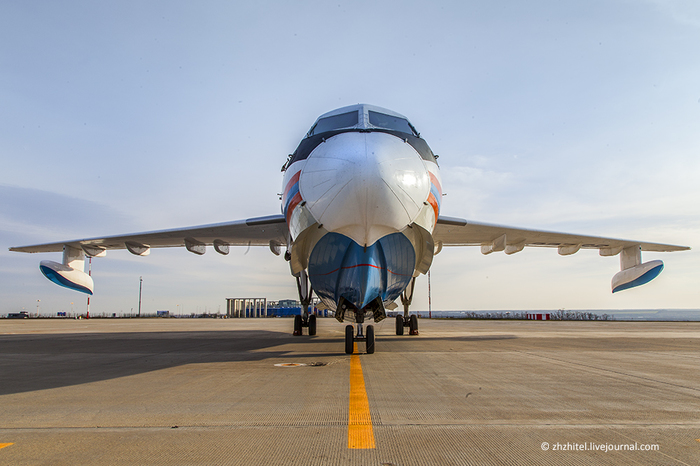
(261, 307)
(246, 307)
(287, 303)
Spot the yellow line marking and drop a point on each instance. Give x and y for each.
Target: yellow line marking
(3, 445)
(360, 432)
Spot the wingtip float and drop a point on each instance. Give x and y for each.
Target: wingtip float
(68, 277)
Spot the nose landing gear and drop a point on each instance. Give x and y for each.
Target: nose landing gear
(351, 338)
(363, 334)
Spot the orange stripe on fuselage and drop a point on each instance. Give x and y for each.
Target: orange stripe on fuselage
(433, 202)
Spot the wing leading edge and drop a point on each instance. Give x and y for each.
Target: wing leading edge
(260, 231)
(460, 232)
(451, 231)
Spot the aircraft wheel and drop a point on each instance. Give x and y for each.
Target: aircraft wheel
(413, 325)
(297, 325)
(349, 336)
(312, 324)
(370, 339)
(399, 325)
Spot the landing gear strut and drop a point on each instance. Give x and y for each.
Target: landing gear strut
(351, 338)
(405, 320)
(305, 319)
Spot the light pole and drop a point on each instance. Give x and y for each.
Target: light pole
(430, 302)
(88, 297)
(37, 307)
(140, 287)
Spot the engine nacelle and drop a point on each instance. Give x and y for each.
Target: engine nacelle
(636, 275)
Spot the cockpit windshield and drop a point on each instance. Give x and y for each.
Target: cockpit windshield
(360, 119)
(344, 120)
(382, 120)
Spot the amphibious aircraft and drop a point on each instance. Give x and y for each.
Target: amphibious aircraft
(360, 221)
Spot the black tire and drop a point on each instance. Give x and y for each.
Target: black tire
(312, 324)
(297, 325)
(349, 339)
(370, 339)
(399, 325)
(413, 325)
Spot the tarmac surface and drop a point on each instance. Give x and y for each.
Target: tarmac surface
(211, 391)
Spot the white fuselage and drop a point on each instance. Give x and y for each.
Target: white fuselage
(356, 188)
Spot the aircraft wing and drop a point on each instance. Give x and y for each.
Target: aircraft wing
(451, 231)
(460, 232)
(258, 231)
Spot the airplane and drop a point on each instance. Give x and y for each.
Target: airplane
(360, 220)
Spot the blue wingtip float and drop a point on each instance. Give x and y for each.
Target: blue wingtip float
(632, 271)
(67, 276)
(636, 276)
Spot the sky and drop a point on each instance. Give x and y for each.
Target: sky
(119, 117)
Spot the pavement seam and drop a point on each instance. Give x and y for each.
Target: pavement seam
(601, 369)
(414, 424)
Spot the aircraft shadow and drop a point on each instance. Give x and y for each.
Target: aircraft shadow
(31, 362)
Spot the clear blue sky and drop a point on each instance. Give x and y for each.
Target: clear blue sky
(565, 115)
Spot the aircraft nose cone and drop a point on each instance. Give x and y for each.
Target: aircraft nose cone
(364, 185)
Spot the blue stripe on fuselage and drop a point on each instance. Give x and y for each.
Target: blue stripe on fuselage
(290, 195)
(436, 193)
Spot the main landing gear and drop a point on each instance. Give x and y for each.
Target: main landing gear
(411, 323)
(305, 319)
(300, 322)
(405, 320)
(351, 338)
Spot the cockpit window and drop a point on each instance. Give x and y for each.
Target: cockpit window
(382, 120)
(344, 120)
